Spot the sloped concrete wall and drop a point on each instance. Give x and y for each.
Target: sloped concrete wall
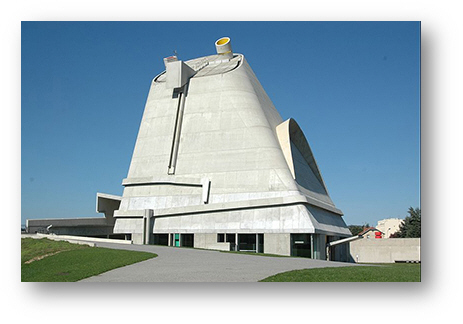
(385, 250)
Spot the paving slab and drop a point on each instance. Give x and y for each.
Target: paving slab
(194, 265)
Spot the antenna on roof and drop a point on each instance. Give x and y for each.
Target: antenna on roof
(175, 53)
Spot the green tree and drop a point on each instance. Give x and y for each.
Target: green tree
(356, 229)
(411, 226)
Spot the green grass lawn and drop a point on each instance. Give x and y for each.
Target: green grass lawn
(395, 272)
(63, 261)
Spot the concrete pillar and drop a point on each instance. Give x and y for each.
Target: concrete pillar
(257, 243)
(147, 226)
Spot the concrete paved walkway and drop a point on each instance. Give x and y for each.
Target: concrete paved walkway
(192, 265)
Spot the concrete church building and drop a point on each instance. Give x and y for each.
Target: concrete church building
(215, 166)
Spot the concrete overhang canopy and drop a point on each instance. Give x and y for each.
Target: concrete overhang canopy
(106, 203)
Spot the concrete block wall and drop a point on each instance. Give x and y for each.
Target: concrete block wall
(277, 243)
(385, 250)
(209, 241)
(205, 240)
(137, 238)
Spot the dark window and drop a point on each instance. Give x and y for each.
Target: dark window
(260, 247)
(231, 238)
(220, 237)
(301, 245)
(161, 239)
(187, 240)
(247, 242)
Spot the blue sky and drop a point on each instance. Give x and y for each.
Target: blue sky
(353, 87)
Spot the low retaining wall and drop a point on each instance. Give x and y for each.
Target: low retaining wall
(385, 250)
(80, 239)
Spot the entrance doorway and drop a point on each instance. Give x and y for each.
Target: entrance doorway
(182, 239)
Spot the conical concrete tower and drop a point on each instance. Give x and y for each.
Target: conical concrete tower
(215, 166)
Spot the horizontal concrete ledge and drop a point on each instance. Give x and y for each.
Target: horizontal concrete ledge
(136, 213)
(220, 207)
(170, 180)
(108, 196)
(71, 239)
(323, 205)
